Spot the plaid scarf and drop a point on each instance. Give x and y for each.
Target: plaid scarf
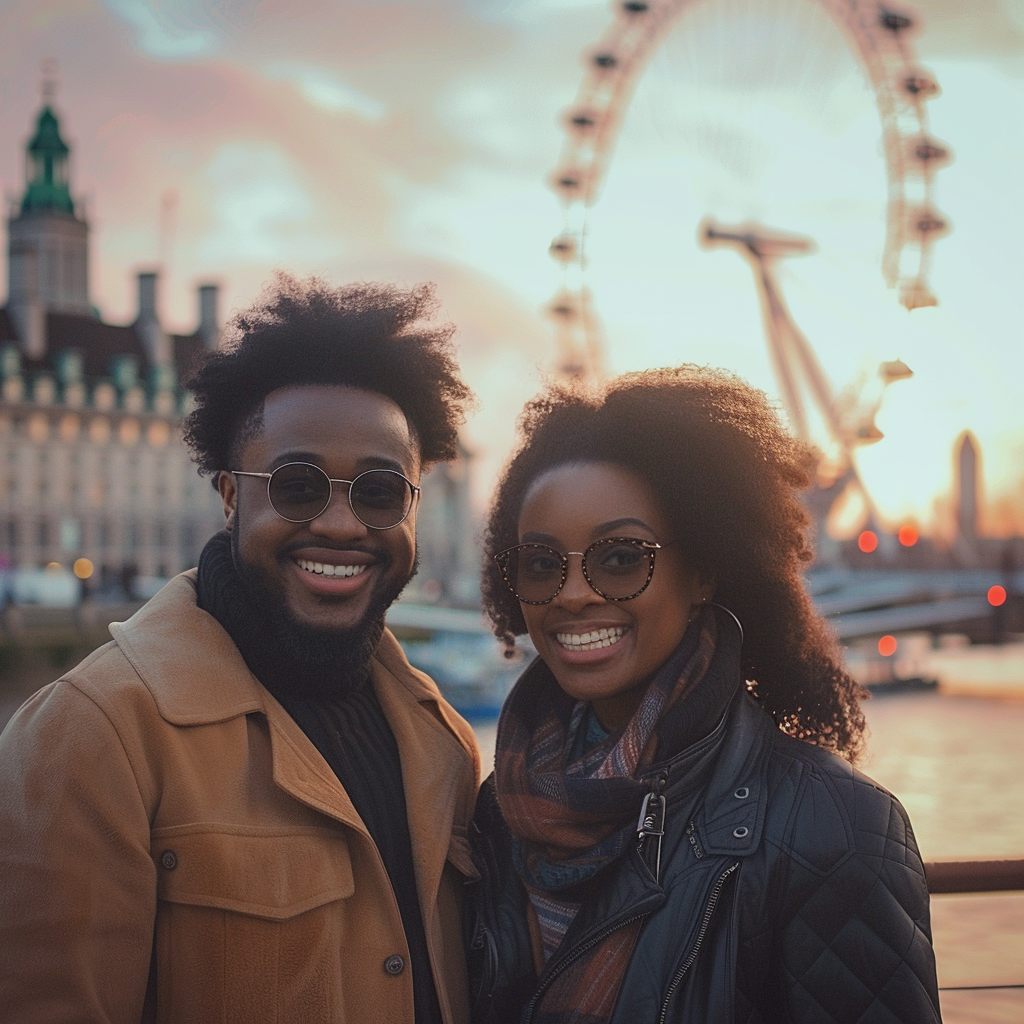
(571, 816)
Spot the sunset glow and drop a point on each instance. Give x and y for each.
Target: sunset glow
(416, 143)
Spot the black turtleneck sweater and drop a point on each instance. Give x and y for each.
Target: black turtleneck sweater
(343, 719)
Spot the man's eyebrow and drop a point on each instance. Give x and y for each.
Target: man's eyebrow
(315, 459)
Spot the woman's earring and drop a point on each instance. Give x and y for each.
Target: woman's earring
(731, 614)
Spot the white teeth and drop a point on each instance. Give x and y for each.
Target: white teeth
(321, 569)
(591, 641)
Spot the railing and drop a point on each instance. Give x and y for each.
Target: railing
(975, 876)
(979, 876)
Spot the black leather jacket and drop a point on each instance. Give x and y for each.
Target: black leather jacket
(790, 888)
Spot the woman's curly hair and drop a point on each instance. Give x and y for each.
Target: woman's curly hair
(368, 336)
(727, 475)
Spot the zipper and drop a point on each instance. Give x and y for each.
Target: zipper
(716, 892)
(650, 824)
(545, 982)
(483, 944)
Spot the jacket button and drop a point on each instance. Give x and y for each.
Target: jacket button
(394, 964)
(169, 860)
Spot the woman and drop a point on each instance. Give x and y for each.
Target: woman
(674, 831)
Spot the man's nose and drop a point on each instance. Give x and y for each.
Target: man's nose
(338, 519)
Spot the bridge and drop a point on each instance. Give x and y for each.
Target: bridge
(864, 603)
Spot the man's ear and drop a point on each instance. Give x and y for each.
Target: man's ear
(227, 485)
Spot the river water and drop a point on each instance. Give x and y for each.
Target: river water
(956, 763)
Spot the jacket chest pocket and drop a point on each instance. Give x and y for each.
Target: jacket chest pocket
(268, 873)
(246, 919)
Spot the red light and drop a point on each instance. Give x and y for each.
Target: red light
(996, 595)
(908, 536)
(887, 646)
(868, 541)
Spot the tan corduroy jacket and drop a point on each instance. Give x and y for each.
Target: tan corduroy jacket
(174, 848)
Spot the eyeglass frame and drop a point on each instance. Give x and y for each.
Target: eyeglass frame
(648, 545)
(331, 481)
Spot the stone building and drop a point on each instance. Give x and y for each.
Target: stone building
(447, 537)
(93, 471)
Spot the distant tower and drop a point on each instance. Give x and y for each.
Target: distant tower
(967, 457)
(48, 244)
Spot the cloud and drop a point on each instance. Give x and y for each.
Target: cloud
(325, 90)
(165, 34)
(263, 211)
(992, 29)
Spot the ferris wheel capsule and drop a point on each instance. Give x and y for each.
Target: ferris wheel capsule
(563, 308)
(582, 121)
(569, 182)
(928, 224)
(921, 85)
(894, 21)
(563, 248)
(929, 152)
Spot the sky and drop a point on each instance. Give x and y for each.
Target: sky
(224, 139)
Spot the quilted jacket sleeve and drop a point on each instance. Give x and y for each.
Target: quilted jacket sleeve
(77, 884)
(854, 929)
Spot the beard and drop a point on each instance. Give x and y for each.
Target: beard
(343, 653)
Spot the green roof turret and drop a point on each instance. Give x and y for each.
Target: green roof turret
(47, 168)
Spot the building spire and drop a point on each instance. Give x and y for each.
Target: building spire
(48, 70)
(46, 166)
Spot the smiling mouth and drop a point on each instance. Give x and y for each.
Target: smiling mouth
(321, 569)
(591, 641)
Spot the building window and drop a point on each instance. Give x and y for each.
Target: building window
(38, 427)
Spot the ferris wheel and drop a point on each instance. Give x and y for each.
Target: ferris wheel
(879, 36)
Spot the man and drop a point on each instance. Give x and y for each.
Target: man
(247, 806)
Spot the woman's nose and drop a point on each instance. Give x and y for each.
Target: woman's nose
(576, 592)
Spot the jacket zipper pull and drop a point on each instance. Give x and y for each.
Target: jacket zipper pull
(652, 823)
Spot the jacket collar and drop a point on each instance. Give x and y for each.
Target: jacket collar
(197, 676)
(170, 639)
(186, 659)
(731, 817)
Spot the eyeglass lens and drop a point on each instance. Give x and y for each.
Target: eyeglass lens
(616, 569)
(379, 498)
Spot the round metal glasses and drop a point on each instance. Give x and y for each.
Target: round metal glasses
(616, 568)
(300, 491)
